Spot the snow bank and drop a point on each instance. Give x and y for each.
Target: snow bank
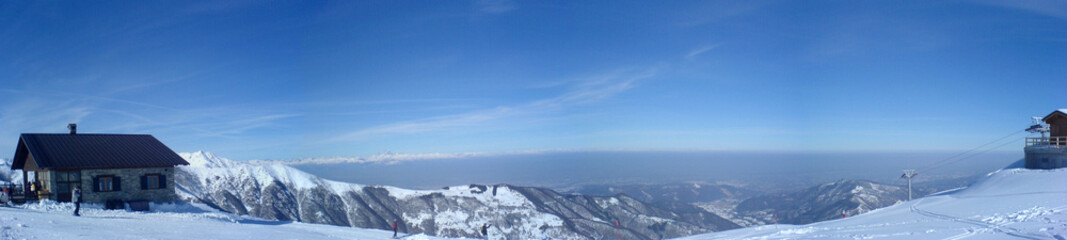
(1016, 181)
(52, 220)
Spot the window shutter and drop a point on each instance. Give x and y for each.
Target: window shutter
(117, 185)
(96, 184)
(162, 181)
(144, 182)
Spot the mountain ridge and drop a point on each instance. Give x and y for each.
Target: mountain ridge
(823, 202)
(270, 191)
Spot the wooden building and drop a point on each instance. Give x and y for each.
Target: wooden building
(108, 167)
(1049, 152)
(1057, 123)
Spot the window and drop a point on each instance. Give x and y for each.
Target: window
(153, 181)
(66, 181)
(107, 183)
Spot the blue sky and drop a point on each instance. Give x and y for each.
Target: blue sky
(295, 79)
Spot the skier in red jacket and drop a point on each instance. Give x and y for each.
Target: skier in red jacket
(394, 228)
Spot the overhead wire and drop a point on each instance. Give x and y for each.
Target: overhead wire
(948, 160)
(973, 155)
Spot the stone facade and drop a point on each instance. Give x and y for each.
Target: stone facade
(1046, 157)
(130, 185)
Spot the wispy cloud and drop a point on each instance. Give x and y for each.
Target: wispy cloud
(390, 158)
(381, 158)
(32, 111)
(146, 84)
(589, 90)
(379, 102)
(1051, 8)
(495, 6)
(239, 126)
(37, 114)
(705, 12)
(698, 51)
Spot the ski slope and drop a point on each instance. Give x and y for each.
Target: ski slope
(51, 220)
(1007, 204)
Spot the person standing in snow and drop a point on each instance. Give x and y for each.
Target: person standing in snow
(4, 196)
(485, 230)
(76, 197)
(394, 228)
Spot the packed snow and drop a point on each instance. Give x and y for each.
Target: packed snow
(1010, 203)
(52, 220)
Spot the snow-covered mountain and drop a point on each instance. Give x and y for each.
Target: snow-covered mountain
(7, 175)
(1011, 203)
(823, 202)
(284, 193)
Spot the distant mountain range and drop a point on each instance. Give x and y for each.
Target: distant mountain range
(676, 192)
(823, 202)
(747, 207)
(280, 192)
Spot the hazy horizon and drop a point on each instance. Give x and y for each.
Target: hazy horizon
(566, 169)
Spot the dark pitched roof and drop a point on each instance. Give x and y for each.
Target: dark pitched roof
(1062, 111)
(81, 151)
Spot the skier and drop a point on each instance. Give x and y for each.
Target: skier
(76, 197)
(4, 196)
(394, 228)
(485, 230)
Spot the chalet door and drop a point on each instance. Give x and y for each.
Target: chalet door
(65, 183)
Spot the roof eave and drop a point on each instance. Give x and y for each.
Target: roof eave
(18, 162)
(1059, 111)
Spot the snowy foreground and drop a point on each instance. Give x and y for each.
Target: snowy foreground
(1008, 204)
(51, 220)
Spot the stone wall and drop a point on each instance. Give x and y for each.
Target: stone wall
(1046, 157)
(131, 185)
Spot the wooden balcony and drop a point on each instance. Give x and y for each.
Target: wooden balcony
(1060, 141)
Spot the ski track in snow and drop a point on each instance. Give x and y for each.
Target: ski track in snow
(987, 226)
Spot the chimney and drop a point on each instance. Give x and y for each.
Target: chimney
(73, 128)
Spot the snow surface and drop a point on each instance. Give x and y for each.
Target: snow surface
(1010, 203)
(52, 220)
